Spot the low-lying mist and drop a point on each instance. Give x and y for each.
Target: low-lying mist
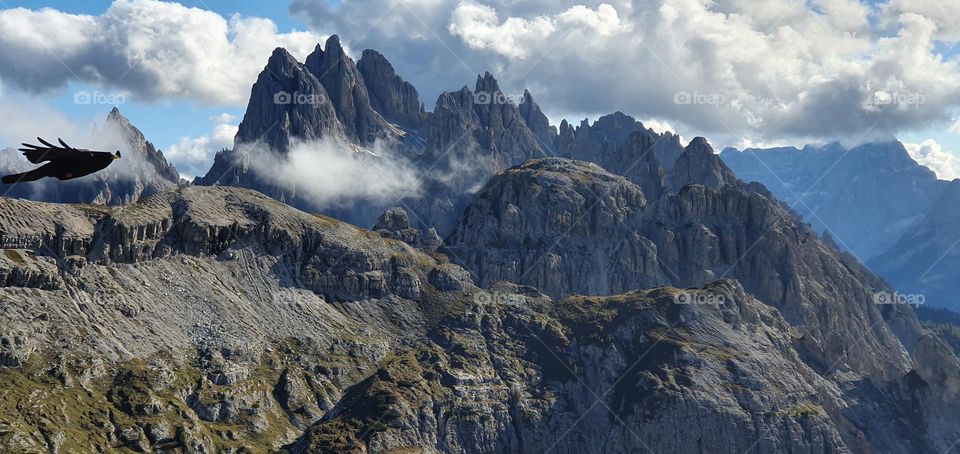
(332, 174)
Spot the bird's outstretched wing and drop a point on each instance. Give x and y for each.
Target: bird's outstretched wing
(49, 152)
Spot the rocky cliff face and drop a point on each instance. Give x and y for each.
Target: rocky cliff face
(143, 171)
(211, 319)
(876, 188)
(538, 123)
(345, 86)
(394, 98)
(286, 103)
(698, 164)
(568, 227)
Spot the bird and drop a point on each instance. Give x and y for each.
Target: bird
(65, 162)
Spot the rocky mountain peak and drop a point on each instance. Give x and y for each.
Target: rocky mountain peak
(141, 147)
(566, 139)
(339, 75)
(486, 83)
(143, 171)
(699, 165)
(333, 45)
(279, 111)
(394, 98)
(538, 122)
(282, 61)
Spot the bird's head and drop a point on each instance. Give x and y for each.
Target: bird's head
(117, 155)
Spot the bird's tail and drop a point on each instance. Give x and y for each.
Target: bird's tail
(32, 175)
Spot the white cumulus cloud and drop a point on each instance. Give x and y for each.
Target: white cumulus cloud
(931, 154)
(192, 155)
(151, 49)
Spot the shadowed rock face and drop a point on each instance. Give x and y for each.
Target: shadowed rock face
(278, 112)
(568, 227)
(288, 102)
(699, 165)
(214, 318)
(538, 123)
(876, 202)
(345, 86)
(394, 98)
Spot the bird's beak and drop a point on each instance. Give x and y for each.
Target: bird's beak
(117, 156)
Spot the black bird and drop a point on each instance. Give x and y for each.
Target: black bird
(66, 162)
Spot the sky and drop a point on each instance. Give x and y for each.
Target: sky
(740, 72)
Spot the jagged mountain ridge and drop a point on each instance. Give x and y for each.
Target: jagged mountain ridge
(468, 136)
(567, 227)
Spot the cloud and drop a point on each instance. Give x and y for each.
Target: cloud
(333, 174)
(955, 126)
(945, 15)
(149, 48)
(24, 120)
(931, 154)
(818, 70)
(192, 155)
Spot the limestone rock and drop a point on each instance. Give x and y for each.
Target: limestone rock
(391, 96)
(345, 86)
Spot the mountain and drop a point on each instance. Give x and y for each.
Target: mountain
(568, 227)
(348, 92)
(275, 115)
(218, 319)
(143, 171)
(910, 215)
(394, 98)
(454, 149)
(599, 288)
(925, 260)
(876, 188)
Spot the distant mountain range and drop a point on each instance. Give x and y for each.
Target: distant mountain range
(875, 202)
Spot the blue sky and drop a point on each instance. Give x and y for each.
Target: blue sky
(810, 75)
(162, 122)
